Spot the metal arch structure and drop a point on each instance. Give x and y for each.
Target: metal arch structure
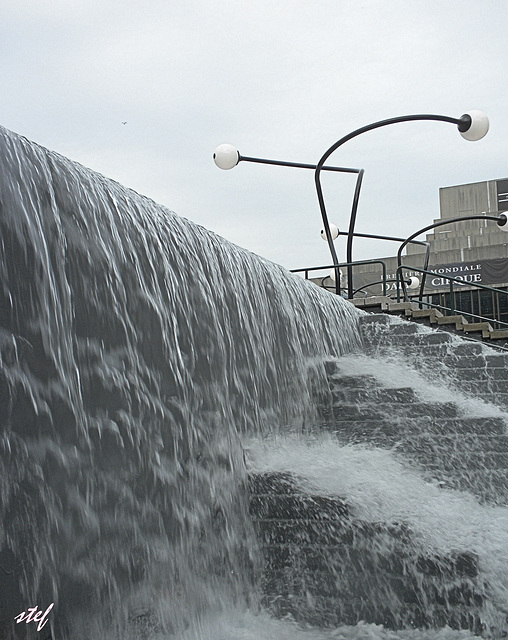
(463, 124)
(472, 126)
(501, 220)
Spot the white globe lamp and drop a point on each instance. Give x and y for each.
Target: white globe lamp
(478, 127)
(413, 283)
(503, 222)
(333, 231)
(332, 274)
(226, 156)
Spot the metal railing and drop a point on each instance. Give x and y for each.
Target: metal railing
(453, 282)
(401, 291)
(337, 287)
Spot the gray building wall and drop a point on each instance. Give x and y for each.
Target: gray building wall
(468, 199)
(468, 240)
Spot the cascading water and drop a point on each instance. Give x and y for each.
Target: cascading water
(137, 350)
(150, 373)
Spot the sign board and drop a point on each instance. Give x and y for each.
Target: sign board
(487, 272)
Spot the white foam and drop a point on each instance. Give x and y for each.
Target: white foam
(379, 488)
(241, 625)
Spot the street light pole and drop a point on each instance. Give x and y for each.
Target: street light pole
(472, 126)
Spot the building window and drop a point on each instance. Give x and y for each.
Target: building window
(502, 302)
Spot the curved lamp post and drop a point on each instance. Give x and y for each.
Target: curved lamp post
(473, 125)
(502, 223)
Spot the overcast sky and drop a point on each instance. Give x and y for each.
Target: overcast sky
(280, 79)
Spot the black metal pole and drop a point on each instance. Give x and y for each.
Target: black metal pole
(394, 239)
(463, 123)
(300, 165)
(424, 275)
(378, 237)
(372, 236)
(349, 244)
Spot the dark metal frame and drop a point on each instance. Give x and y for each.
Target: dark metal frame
(378, 237)
(353, 264)
(451, 280)
(307, 270)
(300, 165)
(463, 123)
(500, 219)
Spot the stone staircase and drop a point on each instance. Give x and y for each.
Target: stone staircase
(458, 323)
(325, 565)
(471, 366)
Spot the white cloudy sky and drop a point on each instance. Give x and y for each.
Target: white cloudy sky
(280, 79)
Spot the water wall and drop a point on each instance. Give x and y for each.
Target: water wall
(137, 350)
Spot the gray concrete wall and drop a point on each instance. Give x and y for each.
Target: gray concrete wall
(468, 199)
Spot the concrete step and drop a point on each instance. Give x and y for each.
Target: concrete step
(457, 321)
(369, 302)
(398, 307)
(489, 386)
(490, 486)
(429, 353)
(402, 329)
(269, 483)
(497, 360)
(499, 334)
(479, 374)
(469, 365)
(350, 411)
(499, 398)
(485, 328)
(459, 452)
(302, 507)
(352, 382)
(476, 361)
(432, 315)
(387, 431)
(484, 477)
(375, 319)
(423, 350)
(467, 347)
(323, 565)
(416, 339)
(406, 339)
(328, 612)
(374, 395)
